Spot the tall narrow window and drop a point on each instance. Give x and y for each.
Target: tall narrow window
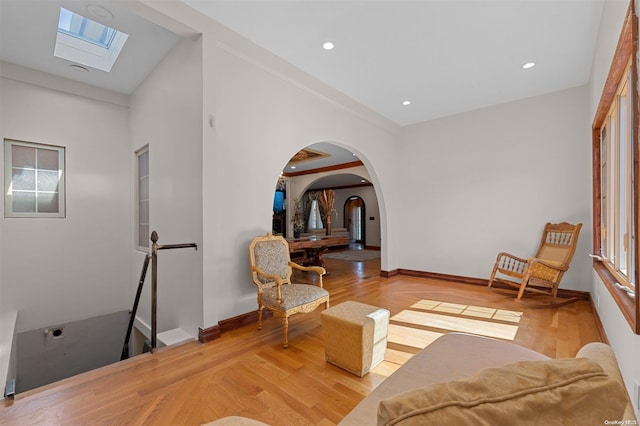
(617, 195)
(34, 180)
(142, 198)
(315, 218)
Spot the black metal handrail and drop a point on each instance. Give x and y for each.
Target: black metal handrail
(143, 274)
(153, 257)
(154, 280)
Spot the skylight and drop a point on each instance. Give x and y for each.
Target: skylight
(87, 42)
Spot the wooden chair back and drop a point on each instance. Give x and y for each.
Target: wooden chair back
(270, 254)
(558, 243)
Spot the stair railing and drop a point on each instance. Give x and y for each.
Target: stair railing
(154, 280)
(153, 257)
(143, 274)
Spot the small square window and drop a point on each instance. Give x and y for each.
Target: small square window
(33, 180)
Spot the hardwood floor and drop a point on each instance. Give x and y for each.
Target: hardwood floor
(248, 373)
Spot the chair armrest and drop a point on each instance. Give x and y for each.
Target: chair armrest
(510, 256)
(511, 263)
(276, 278)
(317, 269)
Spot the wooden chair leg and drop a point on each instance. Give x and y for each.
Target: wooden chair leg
(493, 274)
(260, 307)
(285, 331)
(523, 286)
(554, 294)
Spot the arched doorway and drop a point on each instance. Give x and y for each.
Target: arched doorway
(355, 214)
(354, 219)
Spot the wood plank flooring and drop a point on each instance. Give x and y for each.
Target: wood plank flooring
(248, 373)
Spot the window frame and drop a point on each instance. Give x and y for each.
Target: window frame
(8, 180)
(625, 53)
(138, 178)
(616, 184)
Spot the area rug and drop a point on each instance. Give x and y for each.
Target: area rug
(353, 255)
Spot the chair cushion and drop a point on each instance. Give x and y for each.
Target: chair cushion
(545, 273)
(293, 295)
(562, 391)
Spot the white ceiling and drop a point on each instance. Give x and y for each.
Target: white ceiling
(28, 31)
(446, 56)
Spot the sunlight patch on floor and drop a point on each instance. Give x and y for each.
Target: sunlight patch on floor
(454, 323)
(412, 337)
(468, 310)
(426, 320)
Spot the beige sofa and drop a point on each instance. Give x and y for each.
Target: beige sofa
(467, 379)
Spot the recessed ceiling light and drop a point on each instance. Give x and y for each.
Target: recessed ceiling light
(405, 103)
(327, 45)
(99, 12)
(78, 68)
(293, 167)
(529, 65)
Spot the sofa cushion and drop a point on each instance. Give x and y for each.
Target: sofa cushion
(453, 356)
(562, 391)
(604, 356)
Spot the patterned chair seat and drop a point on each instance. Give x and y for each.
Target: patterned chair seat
(293, 295)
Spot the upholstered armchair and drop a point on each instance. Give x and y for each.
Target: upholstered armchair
(271, 269)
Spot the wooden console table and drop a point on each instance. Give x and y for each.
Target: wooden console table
(313, 248)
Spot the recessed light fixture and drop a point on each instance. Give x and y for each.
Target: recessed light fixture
(293, 167)
(78, 68)
(327, 45)
(405, 103)
(529, 65)
(99, 12)
(363, 181)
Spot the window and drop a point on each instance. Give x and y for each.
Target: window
(615, 170)
(617, 233)
(88, 42)
(315, 218)
(34, 180)
(142, 198)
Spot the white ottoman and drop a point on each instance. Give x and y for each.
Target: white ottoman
(355, 336)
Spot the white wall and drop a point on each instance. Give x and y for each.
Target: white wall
(622, 339)
(475, 184)
(264, 112)
(262, 119)
(448, 190)
(59, 270)
(166, 114)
